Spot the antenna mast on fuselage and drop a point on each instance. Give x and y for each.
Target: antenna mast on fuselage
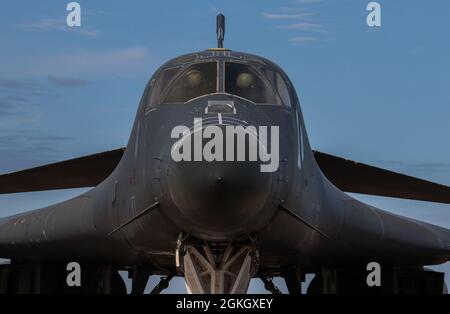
(220, 30)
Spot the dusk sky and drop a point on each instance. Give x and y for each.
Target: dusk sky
(375, 95)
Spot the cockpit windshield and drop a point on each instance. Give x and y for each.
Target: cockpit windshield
(180, 84)
(244, 81)
(197, 80)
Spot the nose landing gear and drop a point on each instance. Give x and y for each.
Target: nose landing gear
(217, 268)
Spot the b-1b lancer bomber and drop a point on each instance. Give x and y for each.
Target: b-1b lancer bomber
(218, 184)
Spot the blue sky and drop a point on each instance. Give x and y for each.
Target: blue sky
(379, 96)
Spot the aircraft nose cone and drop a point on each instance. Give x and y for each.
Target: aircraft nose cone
(218, 195)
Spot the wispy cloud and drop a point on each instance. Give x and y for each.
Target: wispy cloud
(18, 148)
(108, 62)
(14, 139)
(6, 108)
(419, 168)
(302, 40)
(68, 82)
(283, 16)
(431, 166)
(300, 22)
(112, 58)
(21, 107)
(42, 25)
(20, 99)
(66, 68)
(17, 84)
(308, 1)
(14, 88)
(304, 26)
(50, 24)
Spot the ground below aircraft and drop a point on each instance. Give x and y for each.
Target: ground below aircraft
(168, 204)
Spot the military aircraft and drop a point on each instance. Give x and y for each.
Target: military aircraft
(218, 184)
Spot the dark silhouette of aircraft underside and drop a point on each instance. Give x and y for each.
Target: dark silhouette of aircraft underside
(218, 184)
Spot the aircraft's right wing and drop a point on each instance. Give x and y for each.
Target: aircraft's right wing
(85, 171)
(351, 176)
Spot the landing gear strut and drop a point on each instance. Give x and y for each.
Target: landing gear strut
(217, 268)
(269, 285)
(162, 285)
(140, 276)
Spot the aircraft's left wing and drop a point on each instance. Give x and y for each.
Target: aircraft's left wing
(352, 176)
(85, 171)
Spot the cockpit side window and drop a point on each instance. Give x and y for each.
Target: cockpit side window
(282, 89)
(196, 80)
(244, 81)
(161, 82)
(278, 83)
